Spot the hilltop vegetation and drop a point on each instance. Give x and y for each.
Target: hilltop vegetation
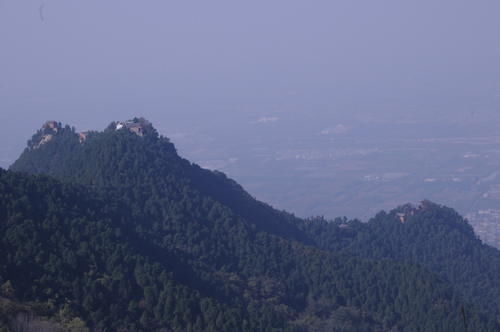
(430, 235)
(127, 235)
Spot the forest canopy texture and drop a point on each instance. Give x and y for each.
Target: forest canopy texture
(114, 231)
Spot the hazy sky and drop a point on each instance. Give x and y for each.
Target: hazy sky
(193, 64)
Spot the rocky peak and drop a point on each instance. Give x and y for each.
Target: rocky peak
(53, 126)
(403, 212)
(45, 134)
(50, 129)
(138, 126)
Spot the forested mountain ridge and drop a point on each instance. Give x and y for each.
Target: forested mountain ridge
(143, 166)
(79, 257)
(431, 235)
(227, 261)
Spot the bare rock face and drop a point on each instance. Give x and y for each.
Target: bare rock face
(52, 125)
(45, 134)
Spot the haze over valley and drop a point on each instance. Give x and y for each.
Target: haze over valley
(330, 108)
(222, 165)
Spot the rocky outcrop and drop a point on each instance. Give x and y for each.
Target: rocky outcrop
(45, 134)
(138, 126)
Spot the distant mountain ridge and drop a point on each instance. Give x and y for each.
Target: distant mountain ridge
(255, 268)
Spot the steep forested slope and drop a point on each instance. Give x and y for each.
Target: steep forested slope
(74, 252)
(214, 258)
(143, 168)
(69, 251)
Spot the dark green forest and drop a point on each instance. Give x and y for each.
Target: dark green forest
(117, 232)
